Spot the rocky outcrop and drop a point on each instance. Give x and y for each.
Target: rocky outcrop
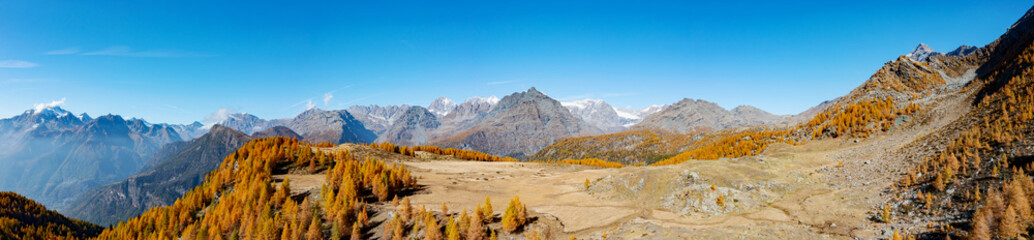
(336, 127)
(414, 127)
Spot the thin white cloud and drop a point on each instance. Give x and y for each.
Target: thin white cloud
(66, 51)
(123, 51)
(17, 64)
(29, 80)
(219, 115)
(326, 98)
(499, 82)
(175, 108)
(309, 105)
(40, 106)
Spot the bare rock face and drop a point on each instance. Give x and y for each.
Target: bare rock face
(336, 127)
(277, 131)
(377, 118)
(923, 52)
(468, 113)
(412, 128)
(52, 156)
(519, 125)
(691, 115)
(247, 123)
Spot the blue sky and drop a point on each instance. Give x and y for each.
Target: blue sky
(178, 61)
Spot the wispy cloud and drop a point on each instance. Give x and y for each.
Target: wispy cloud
(17, 64)
(361, 99)
(123, 51)
(309, 105)
(40, 106)
(219, 115)
(29, 80)
(66, 51)
(308, 101)
(327, 97)
(175, 108)
(499, 82)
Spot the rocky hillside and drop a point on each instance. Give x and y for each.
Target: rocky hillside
(377, 118)
(338, 126)
(970, 179)
(634, 147)
(178, 168)
(414, 127)
(691, 115)
(441, 106)
(519, 125)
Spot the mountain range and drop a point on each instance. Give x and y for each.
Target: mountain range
(178, 168)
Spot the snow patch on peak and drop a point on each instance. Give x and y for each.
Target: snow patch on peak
(582, 104)
(52, 106)
(627, 114)
(441, 106)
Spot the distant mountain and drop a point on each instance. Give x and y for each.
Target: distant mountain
(691, 115)
(248, 123)
(466, 114)
(962, 51)
(179, 167)
(277, 131)
(635, 116)
(605, 117)
(52, 156)
(923, 52)
(414, 127)
(518, 125)
(377, 118)
(190, 131)
(336, 127)
(441, 106)
(597, 113)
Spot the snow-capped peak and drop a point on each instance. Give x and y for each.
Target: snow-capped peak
(582, 104)
(53, 106)
(441, 106)
(626, 114)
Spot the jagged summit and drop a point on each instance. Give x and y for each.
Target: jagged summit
(922, 52)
